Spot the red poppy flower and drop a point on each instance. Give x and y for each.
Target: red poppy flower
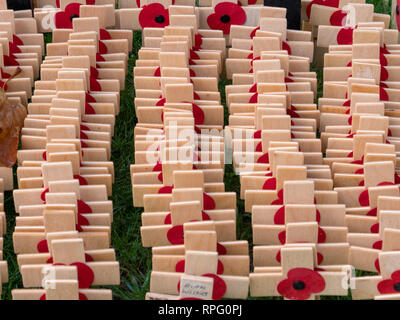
(338, 18)
(154, 15)
(95, 85)
(328, 3)
(391, 285)
(270, 184)
(301, 283)
(254, 98)
(226, 14)
(198, 41)
(285, 46)
(263, 159)
(63, 19)
(219, 287)
(377, 245)
(259, 147)
(345, 36)
(253, 33)
(398, 14)
(221, 249)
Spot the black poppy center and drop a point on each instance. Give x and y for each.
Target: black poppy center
(397, 10)
(72, 17)
(299, 285)
(396, 287)
(159, 19)
(225, 18)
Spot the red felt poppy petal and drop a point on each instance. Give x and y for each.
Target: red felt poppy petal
(318, 216)
(208, 202)
(253, 33)
(161, 102)
(263, 159)
(83, 135)
(85, 275)
(259, 147)
(180, 266)
(175, 235)
(320, 258)
(375, 228)
(338, 18)
(94, 85)
(220, 267)
(386, 286)
(278, 256)
(166, 189)
(83, 221)
(254, 98)
(104, 35)
(345, 36)
(88, 258)
(82, 180)
(83, 207)
(270, 184)
(257, 134)
(42, 246)
(10, 61)
(396, 276)
(282, 237)
(102, 48)
(321, 235)
(198, 41)
(384, 74)
(198, 114)
(17, 40)
(285, 46)
(377, 245)
(99, 57)
(221, 249)
(377, 266)
(279, 217)
(62, 20)
(82, 297)
(363, 198)
(373, 212)
(253, 88)
(219, 287)
(13, 48)
(43, 195)
(205, 216)
(89, 109)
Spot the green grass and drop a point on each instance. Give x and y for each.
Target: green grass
(135, 261)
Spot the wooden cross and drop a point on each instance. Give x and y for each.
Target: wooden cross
(201, 262)
(297, 278)
(168, 212)
(82, 270)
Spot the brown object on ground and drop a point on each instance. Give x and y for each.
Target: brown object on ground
(11, 121)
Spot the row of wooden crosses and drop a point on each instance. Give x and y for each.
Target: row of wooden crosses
(62, 236)
(319, 180)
